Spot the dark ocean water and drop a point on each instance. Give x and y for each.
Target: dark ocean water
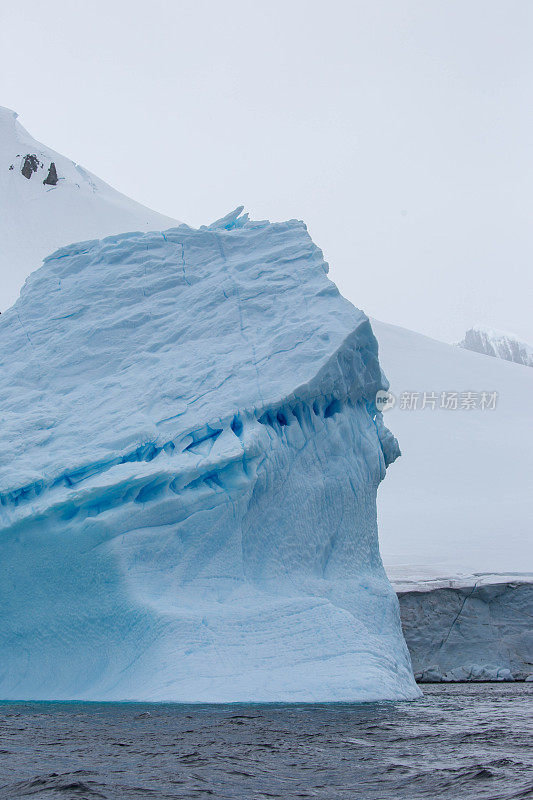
(460, 741)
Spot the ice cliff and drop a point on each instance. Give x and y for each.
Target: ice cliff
(190, 454)
(472, 629)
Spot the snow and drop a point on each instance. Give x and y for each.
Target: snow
(455, 511)
(36, 219)
(498, 344)
(459, 501)
(190, 459)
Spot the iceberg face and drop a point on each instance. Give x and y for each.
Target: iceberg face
(191, 454)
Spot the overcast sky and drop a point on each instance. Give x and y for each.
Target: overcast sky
(400, 131)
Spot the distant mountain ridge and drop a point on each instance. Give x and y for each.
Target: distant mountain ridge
(498, 345)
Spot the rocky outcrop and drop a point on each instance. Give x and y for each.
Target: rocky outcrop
(30, 165)
(51, 179)
(498, 345)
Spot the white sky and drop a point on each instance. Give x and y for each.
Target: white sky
(401, 131)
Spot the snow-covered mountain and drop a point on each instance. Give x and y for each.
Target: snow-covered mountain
(455, 511)
(459, 500)
(47, 201)
(498, 344)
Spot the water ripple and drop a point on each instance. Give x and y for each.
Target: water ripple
(460, 742)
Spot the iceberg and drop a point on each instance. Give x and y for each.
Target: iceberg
(190, 457)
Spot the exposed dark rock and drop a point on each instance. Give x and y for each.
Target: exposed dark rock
(498, 345)
(51, 179)
(30, 165)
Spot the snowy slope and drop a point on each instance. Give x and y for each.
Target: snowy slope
(460, 499)
(190, 460)
(455, 511)
(499, 345)
(37, 218)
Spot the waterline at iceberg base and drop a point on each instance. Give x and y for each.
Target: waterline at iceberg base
(191, 454)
